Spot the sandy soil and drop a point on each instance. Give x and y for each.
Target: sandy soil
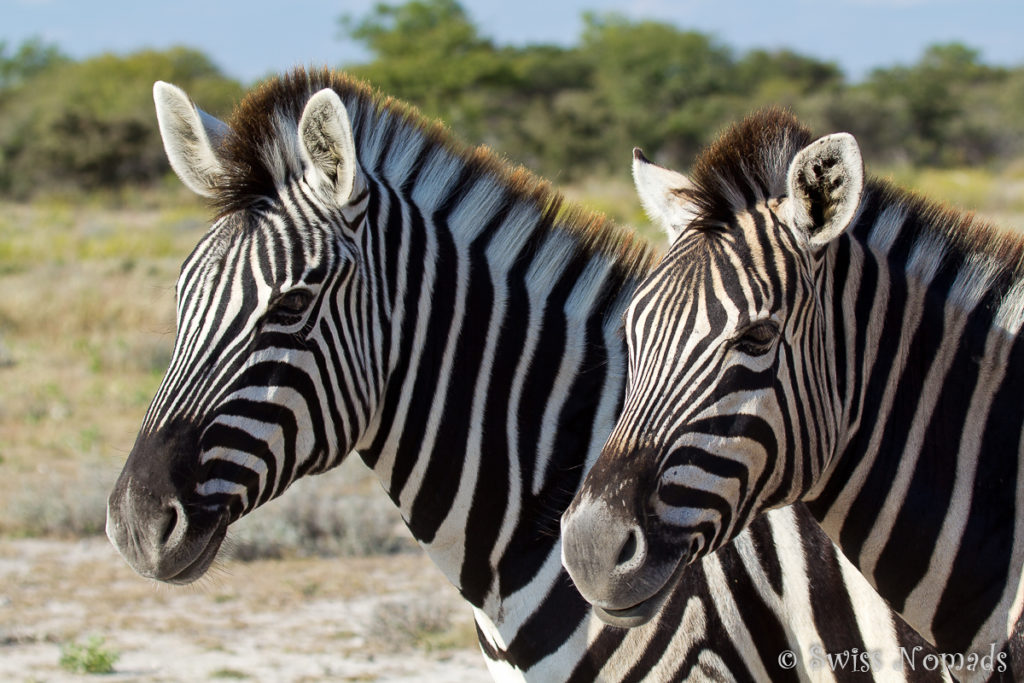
(287, 620)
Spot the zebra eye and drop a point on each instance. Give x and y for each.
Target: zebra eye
(291, 305)
(758, 339)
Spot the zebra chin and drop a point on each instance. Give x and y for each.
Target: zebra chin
(644, 611)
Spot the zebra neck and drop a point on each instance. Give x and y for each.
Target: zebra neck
(922, 492)
(506, 378)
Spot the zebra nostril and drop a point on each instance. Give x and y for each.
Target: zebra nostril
(630, 548)
(173, 524)
(170, 522)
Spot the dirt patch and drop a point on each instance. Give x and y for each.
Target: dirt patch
(286, 620)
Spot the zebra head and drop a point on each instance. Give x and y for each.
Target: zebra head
(268, 303)
(729, 399)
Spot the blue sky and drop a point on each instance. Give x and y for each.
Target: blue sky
(251, 38)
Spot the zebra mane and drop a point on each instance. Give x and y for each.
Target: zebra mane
(261, 154)
(963, 231)
(746, 165)
(985, 258)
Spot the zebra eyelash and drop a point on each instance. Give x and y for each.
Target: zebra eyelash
(756, 339)
(290, 307)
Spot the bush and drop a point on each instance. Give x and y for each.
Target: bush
(71, 508)
(323, 516)
(415, 623)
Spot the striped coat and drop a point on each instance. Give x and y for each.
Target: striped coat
(370, 284)
(812, 336)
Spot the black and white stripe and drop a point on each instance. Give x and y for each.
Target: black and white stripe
(810, 337)
(449, 320)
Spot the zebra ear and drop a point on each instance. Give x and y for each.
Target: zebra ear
(327, 146)
(190, 136)
(825, 183)
(663, 195)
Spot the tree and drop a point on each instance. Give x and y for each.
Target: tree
(532, 103)
(425, 51)
(667, 89)
(31, 58)
(91, 124)
(929, 102)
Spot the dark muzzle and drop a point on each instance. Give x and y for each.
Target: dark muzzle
(153, 517)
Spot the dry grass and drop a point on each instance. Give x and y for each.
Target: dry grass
(86, 325)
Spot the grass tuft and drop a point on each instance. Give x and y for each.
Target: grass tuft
(88, 658)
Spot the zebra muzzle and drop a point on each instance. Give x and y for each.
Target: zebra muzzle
(609, 556)
(159, 536)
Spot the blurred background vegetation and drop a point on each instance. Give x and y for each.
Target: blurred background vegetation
(93, 225)
(566, 112)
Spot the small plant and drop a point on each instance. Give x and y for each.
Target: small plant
(90, 658)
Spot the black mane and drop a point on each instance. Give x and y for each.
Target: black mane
(257, 150)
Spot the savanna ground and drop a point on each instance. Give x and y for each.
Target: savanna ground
(323, 584)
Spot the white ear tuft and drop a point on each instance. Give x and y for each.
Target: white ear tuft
(825, 183)
(325, 136)
(662, 194)
(190, 138)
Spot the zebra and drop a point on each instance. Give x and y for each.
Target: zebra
(372, 284)
(814, 336)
